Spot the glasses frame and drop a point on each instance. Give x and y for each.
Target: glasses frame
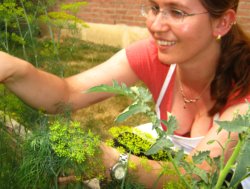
(165, 12)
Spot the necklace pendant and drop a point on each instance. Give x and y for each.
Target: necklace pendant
(184, 106)
(189, 101)
(194, 100)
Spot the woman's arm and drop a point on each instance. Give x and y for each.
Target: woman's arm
(46, 91)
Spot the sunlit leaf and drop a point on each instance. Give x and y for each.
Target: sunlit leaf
(179, 156)
(192, 169)
(132, 110)
(171, 124)
(240, 123)
(160, 144)
(201, 173)
(115, 88)
(200, 157)
(142, 93)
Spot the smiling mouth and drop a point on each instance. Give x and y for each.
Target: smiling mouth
(166, 43)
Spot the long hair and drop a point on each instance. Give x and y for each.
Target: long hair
(232, 77)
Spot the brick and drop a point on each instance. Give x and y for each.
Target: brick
(128, 12)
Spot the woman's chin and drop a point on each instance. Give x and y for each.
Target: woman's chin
(165, 59)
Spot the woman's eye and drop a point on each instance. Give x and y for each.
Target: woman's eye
(176, 13)
(155, 10)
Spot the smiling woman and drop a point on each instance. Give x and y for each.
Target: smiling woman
(195, 64)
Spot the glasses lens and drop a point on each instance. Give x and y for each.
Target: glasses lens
(176, 15)
(173, 16)
(145, 11)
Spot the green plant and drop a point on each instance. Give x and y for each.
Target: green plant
(61, 150)
(39, 164)
(67, 19)
(239, 159)
(20, 25)
(9, 157)
(216, 179)
(69, 140)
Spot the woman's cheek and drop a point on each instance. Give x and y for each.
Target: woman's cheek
(184, 28)
(148, 25)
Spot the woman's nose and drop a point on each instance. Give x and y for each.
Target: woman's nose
(159, 23)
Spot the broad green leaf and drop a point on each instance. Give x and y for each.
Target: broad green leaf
(242, 164)
(179, 156)
(171, 124)
(115, 88)
(132, 110)
(201, 173)
(239, 124)
(200, 157)
(142, 93)
(160, 144)
(192, 169)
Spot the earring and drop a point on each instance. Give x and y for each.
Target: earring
(233, 23)
(218, 38)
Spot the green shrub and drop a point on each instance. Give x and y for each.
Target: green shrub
(61, 150)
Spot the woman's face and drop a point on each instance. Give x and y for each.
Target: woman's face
(181, 38)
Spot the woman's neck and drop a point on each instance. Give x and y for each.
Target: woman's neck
(195, 77)
(197, 74)
(200, 69)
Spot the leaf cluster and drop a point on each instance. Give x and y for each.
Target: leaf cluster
(19, 18)
(40, 164)
(141, 99)
(70, 141)
(128, 139)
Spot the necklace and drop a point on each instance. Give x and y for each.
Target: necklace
(188, 100)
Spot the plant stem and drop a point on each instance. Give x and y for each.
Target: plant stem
(178, 171)
(6, 36)
(229, 164)
(51, 33)
(157, 180)
(30, 32)
(20, 33)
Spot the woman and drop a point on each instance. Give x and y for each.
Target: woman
(196, 64)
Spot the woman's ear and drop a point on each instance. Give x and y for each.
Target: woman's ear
(223, 24)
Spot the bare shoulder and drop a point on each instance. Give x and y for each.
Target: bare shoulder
(229, 113)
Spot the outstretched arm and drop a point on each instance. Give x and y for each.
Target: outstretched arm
(46, 91)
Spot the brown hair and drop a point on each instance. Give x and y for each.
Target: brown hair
(233, 71)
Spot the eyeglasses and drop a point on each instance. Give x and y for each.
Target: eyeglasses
(171, 15)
